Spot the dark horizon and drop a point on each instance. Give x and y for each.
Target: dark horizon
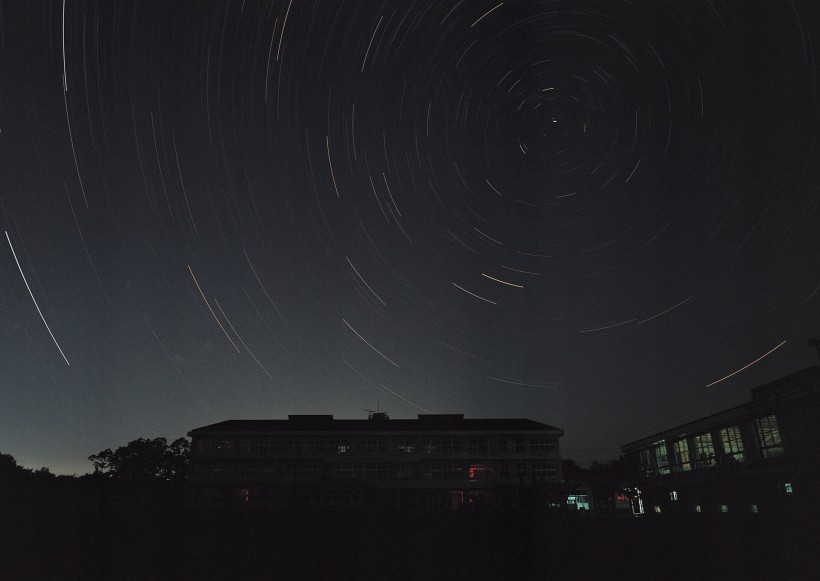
(601, 218)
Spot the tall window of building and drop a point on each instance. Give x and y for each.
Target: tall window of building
(732, 443)
(704, 450)
(661, 457)
(768, 437)
(647, 460)
(682, 455)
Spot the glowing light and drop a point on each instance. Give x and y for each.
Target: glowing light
(369, 345)
(749, 365)
(501, 281)
(485, 14)
(212, 311)
(35, 300)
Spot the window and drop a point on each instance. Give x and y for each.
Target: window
(506, 470)
(443, 471)
(371, 446)
(682, 455)
(704, 451)
(343, 447)
(647, 461)
(367, 470)
(768, 437)
(541, 446)
(724, 508)
(216, 446)
(314, 445)
(432, 446)
(503, 444)
(755, 509)
(520, 445)
(657, 508)
(661, 457)
(295, 446)
(543, 471)
(451, 446)
(788, 487)
(406, 446)
(479, 446)
(673, 495)
(521, 469)
(697, 508)
(732, 443)
(481, 472)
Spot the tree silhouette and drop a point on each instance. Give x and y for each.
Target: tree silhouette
(144, 459)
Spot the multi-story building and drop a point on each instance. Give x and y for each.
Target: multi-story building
(435, 461)
(763, 455)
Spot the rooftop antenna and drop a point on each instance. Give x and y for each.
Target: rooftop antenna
(377, 414)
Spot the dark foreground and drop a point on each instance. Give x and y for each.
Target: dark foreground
(156, 541)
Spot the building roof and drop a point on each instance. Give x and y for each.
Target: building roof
(380, 423)
(764, 399)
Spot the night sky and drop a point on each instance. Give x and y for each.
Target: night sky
(583, 213)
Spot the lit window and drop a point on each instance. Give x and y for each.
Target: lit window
(343, 447)
(732, 443)
(407, 446)
(673, 495)
(657, 508)
(704, 451)
(682, 455)
(768, 437)
(788, 487)
(754, 508)
(481, 472)
(697, 508)
(724, 508)
(432, 446)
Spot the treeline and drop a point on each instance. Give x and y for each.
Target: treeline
(143, 471)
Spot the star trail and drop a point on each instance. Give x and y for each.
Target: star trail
(580, 213)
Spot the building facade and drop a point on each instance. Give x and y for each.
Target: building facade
(763, 455)
(310, 461)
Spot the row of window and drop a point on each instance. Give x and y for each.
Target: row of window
(702, 454)
(274, 470)
(435, 446)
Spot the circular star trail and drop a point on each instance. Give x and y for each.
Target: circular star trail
(588, 214)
